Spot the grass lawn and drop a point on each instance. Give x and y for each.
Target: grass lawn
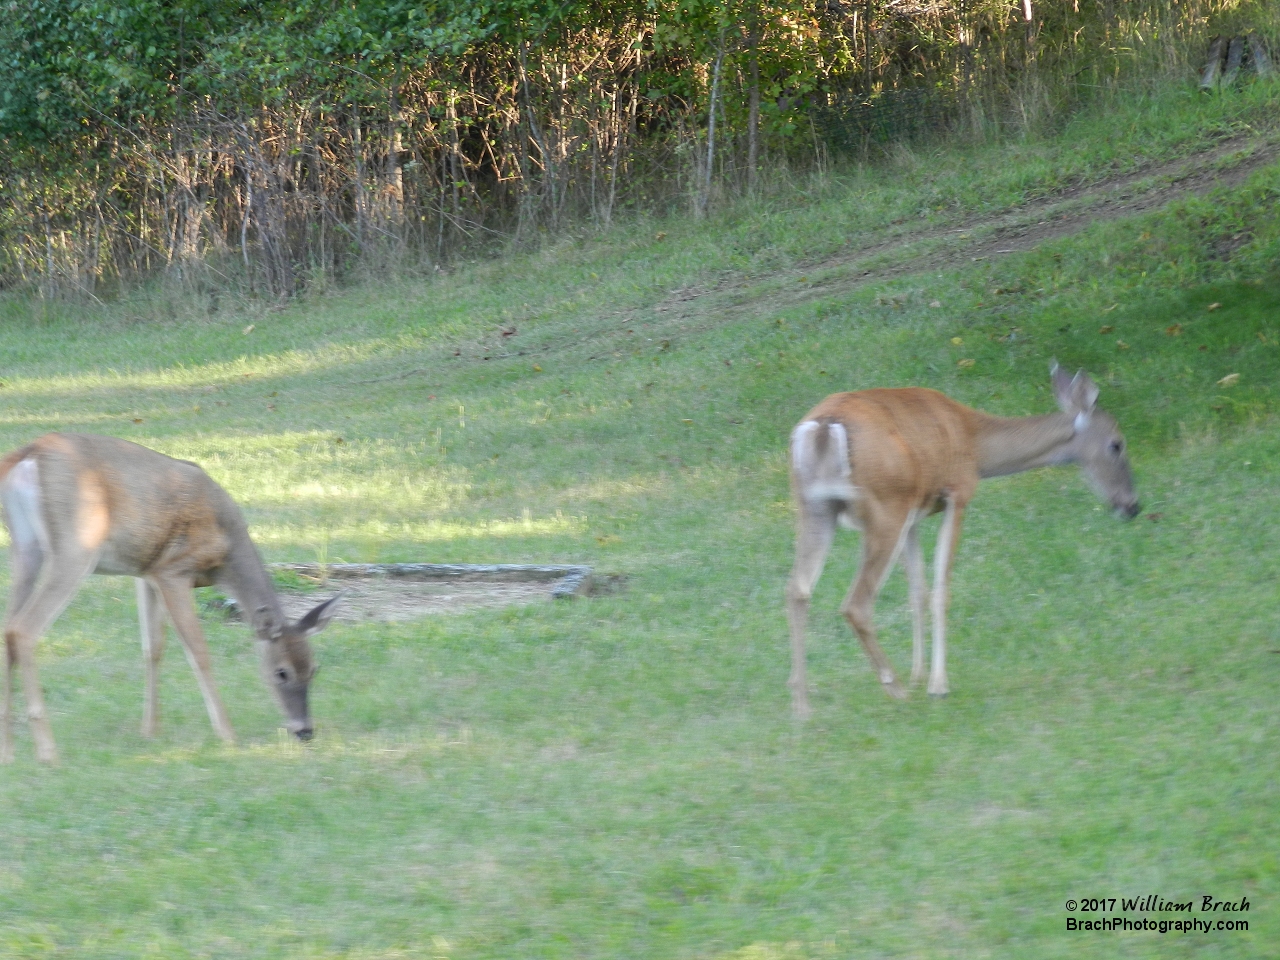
(619, 776)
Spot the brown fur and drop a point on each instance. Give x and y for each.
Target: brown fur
(913, 452)
(105, 505)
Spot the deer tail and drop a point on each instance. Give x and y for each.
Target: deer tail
(820, 460)
(13, 458)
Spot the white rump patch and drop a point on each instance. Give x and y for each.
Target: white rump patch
(21, 494)
(823, 475)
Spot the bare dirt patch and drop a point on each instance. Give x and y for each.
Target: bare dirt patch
(405, 591)
(377, 598)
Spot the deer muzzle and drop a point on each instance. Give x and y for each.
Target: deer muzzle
(1129, 510)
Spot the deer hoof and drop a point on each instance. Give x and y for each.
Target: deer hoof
(895, 690)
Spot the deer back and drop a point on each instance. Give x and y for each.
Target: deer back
(908, 443)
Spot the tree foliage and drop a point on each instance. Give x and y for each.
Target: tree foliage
(299, 139)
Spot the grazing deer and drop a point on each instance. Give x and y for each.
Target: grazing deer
(881, 460)
(77, 504)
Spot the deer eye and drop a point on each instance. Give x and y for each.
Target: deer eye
(282, 675)
(1117, 447)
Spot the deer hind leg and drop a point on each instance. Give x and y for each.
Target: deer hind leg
(151, 621)
(815, 532)
(182, 611)
(25, 558)
(23, 628)
(881, 543)
(913, 560)
(944, 554)
(44, 580)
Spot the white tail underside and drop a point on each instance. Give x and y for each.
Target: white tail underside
(823, 474)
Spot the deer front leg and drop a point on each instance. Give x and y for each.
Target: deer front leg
(10, 668)
(944, 554)
(881, 542)
(913, 560)
(182, 611)
(151, 621)
(815, 532)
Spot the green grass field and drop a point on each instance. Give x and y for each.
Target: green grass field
(619, 776)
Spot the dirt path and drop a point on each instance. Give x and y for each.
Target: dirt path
(1019, 229)
(912, 250)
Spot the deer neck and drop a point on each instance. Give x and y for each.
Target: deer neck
(247, 580)
(1013, 444)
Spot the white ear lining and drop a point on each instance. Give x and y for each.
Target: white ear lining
(1081, 421)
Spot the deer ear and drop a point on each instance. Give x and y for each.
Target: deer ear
(318, 617)
(1061, 387)
(1085, 391)
(1076, 394)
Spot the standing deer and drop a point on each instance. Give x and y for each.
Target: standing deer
(77, 504)
(881, 460)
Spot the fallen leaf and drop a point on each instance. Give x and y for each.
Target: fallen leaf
(137, 419)
(1105, 330)
(248, 330)
(536, 368)
(1110, 308)
(935, 304)
(966, 363)
(1120, 344)
(690, 422)
(1230, 380)
(958, 341)
(1174, 331)
(660, 237)
(1213, 306)
(1155, 517)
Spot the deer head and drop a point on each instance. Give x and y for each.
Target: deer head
(1098, 446)
(287, 662)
